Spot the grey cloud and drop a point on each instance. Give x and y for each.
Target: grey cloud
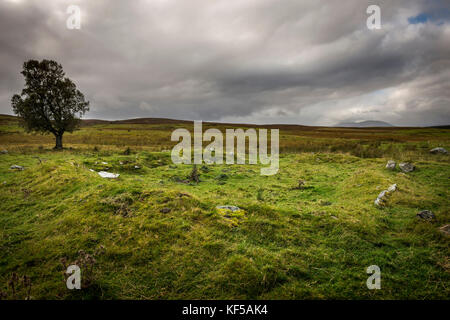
(308, 62)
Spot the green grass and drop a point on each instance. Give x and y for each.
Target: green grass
(286, 243)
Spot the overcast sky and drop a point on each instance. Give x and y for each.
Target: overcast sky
(258, 61)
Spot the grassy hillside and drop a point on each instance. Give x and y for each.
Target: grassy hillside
(151, 235)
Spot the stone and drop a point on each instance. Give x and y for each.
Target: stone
(16, 167)
(426, 215)
(391, 165)
(382, 197)
(232, 208)
(392, 188)
(91, 170)
(406, 167)
(137, 167)
(108, 175)
(445, 229)
(438, 150)
(4, 151)
(165, 210)
(382, 194)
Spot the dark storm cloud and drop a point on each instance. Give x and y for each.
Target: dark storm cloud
(268, 61)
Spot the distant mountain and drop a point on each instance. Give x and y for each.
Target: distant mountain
(364, 124)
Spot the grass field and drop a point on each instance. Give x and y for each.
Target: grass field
(152, 236)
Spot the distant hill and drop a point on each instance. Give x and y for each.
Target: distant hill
(10, 119)
(364, 124)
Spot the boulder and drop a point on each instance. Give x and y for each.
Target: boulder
(4, 151)
(165, 210)
(392, 188)
(426, 215)
(382, 197)
(232, 208)
(391, 165)
(445, 229)
(16, 167)
(108, 175)
(382, 194)
(438, 150)
(378, 202)
(406, 167)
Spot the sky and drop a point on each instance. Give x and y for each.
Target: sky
(241, 61)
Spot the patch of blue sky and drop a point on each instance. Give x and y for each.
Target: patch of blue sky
(437, 16)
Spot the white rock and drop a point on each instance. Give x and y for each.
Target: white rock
(232, 208)
(104, 162)
(438, 150)
(382, 194)
(108, 175)
(392, 188)
(16, 167)
(91, 170)
(391, 165)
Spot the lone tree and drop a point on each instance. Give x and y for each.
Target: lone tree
(49, 103)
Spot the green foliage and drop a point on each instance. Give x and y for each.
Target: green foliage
(50, 102)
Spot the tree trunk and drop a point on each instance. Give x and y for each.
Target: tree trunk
(59, 144)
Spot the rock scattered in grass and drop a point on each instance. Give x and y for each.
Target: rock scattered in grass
(16, 167)
(438, 150)
(165, 210)
(407, 167)
(426, 215)
(392, 188)
(91, 170)
(382, 197)
(231, 208)
(4, 151)
(391, 165)
(108, 175)
(445, 229)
